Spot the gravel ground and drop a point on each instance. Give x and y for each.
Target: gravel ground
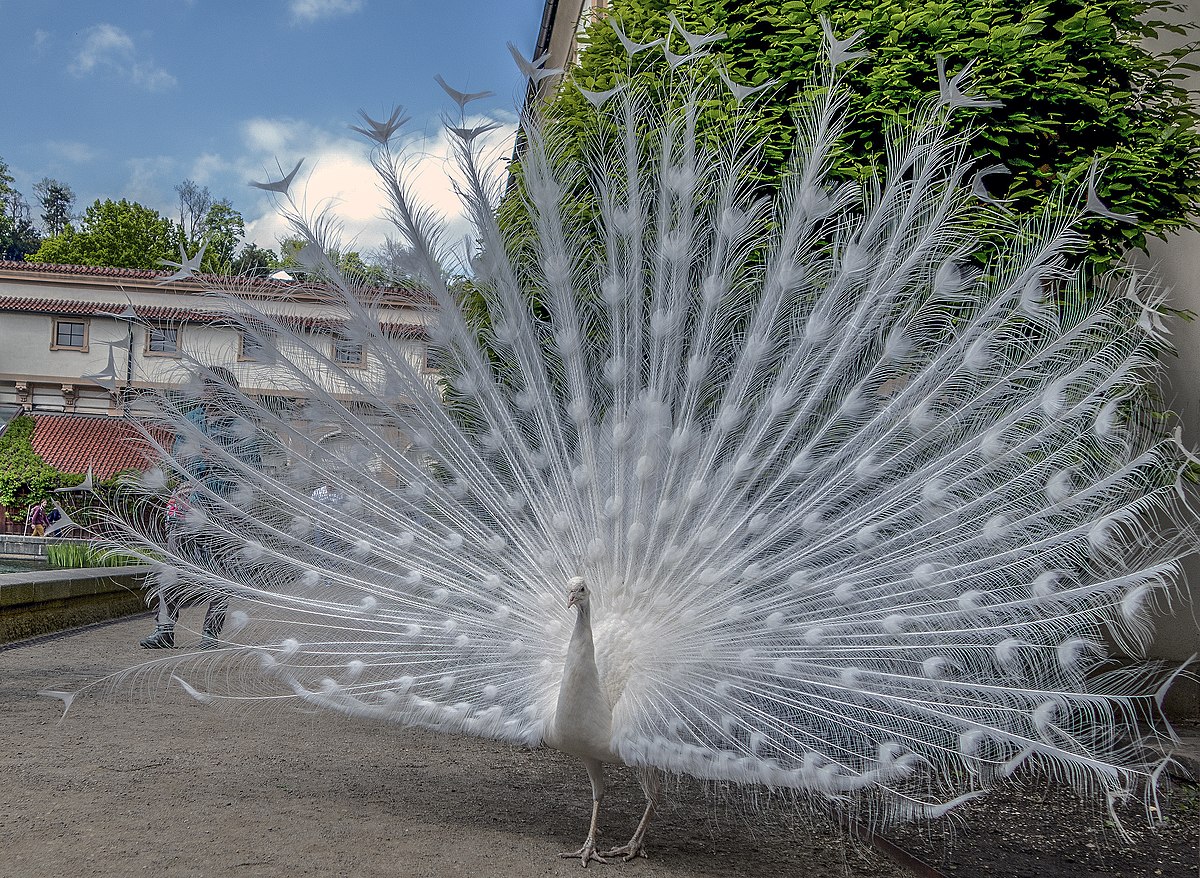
(158, 784)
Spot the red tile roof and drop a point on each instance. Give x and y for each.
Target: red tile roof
(91, 270)
(72, 443)
(171, 313)
(97, 309)
(249, 284)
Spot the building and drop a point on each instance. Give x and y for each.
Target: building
(558, 37)
(87, 340)
(79, 345)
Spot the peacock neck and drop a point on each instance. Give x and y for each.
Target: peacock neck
(583, 718)
(583, 647)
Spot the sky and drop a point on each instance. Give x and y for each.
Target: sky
(128, 98)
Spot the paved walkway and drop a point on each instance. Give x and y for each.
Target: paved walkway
(150, 782)
(142, 780)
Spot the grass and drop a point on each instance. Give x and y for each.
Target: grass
(78, 555)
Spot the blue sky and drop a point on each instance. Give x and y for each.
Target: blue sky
(126, 98)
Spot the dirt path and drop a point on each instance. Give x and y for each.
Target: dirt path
(154, 783)
(161, 785)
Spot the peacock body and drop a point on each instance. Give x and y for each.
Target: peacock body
(841, 491)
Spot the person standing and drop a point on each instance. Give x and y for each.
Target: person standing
(219, 419)
(38, 520)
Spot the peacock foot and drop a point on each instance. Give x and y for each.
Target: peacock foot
(586, 854)
(631, 851)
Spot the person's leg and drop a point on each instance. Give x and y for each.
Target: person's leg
(214, 621)
(168, 614)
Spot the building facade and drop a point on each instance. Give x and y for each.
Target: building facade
(87, 340)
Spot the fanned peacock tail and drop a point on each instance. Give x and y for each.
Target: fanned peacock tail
(865, 497)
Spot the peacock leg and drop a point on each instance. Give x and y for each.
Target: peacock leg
(636, 847)
(588, 853)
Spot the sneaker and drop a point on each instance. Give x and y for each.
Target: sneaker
(162, 638)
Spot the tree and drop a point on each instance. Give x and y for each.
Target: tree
(223, 229)
(57, 202)
(254, 260)
(121, 234)
(396, 261)
(350, 264)
(18, 236)
(195, 202)
(1077, 78)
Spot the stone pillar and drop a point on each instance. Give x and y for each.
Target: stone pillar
(70, 397)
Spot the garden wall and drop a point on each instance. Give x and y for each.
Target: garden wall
(44, 601)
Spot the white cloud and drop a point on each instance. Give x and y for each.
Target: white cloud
(150, 179)
(40, 39)
(209, 168)
(71, 150)
(308, 11)
(338, 175)
(108, 48)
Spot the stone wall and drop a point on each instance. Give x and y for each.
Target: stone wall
(14, 546)
(44, 601)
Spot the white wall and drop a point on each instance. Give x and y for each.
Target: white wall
(1176, 262)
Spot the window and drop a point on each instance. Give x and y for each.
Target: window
(252, 349)
(162, 341)
(347, 353)
(69, 335)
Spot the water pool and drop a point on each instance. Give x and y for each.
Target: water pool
(20, 565)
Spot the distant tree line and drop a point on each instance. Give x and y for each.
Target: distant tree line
(126, 234)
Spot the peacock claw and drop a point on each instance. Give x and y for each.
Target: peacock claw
(628, 852)
(585, 854)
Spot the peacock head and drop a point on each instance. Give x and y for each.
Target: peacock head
(578, 596)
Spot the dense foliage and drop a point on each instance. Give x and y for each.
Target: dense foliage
(1077, 79)
(25, 477)
(121, 234)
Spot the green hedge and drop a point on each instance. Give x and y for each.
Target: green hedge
(25, 477)
(1077, 81)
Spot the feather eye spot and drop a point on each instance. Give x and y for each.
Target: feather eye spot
(1008, 651)
(970, 600)
(238, 620)
(753, 573)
